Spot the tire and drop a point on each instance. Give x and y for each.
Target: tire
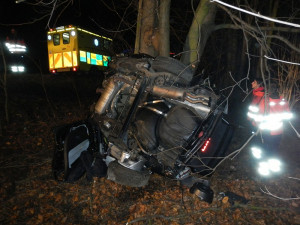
(167, 64)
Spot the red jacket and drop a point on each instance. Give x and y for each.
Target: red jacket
(271, 116)
(258, 93)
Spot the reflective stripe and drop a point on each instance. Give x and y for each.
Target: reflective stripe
(271, 125)
(88, 57)
(57, 60)
(67, 59)
(253, 108)
(105, 60)
(51, 66)
(75, 63)
(99, 60)
(82, 56)
(93, 59)
(272, 121)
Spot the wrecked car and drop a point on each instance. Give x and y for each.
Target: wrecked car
(148, 119)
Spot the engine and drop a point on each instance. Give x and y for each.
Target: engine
(151, 118)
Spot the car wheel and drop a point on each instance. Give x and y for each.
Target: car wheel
(167, 64)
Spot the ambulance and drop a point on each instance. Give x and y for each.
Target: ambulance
(71, 48)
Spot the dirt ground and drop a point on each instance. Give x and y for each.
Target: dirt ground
(30, 195)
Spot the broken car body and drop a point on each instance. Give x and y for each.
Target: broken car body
(149, 119)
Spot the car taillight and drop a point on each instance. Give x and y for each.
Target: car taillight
(205, 145)
(53, 71)
(74, 69)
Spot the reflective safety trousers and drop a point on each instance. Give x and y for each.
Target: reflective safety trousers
(269, 116)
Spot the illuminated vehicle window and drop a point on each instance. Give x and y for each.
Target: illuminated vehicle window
(66, 38)
(56, 39)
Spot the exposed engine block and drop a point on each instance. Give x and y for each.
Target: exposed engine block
(150, 114)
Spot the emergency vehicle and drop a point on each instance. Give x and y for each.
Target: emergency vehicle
(71, 48)
(15, 51)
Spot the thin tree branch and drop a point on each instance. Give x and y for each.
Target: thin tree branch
(256, 14)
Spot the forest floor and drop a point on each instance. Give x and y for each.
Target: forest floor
(30, 195)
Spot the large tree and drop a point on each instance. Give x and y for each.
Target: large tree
(152, 33)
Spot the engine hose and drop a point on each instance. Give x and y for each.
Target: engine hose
(133, 108)
(168, 92)
(109, 93)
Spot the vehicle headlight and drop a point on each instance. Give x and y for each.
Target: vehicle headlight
(267, 167)
(263, 169)
(256, 152)
(274, 165)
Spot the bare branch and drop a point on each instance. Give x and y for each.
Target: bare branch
(266, 191)
(256, 14)
(278, 60)
(285, 41)
(279, 29)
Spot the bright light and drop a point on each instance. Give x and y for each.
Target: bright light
(21, 68)
(272, 103)
(73, 33)
(282, 103)
(256, 152)
(263, 169)
(19, 1)
(274, 165)
(253, 108)
(49, 37)
(16, 69)
(15, 47)
(256, 117)
(271, 125)
(96, 42)
(60, 28)
(287, 116)
(204, 147)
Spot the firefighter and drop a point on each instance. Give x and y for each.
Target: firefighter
(258, 90)
(273, 111)
(258, 93)
(269, 116)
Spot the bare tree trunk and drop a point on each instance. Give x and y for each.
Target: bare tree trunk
(153, 28)
(199, 32)
(146, 28)
(164, 28)
(4, 84)
(138, 28)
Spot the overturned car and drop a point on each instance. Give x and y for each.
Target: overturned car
(148, 119)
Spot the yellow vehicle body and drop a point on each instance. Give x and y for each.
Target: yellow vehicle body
(71, 48)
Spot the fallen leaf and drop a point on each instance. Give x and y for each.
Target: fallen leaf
(225, 200)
